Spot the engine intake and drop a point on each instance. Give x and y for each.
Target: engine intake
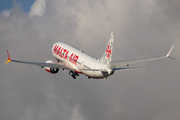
(51, 70)
(54, 70)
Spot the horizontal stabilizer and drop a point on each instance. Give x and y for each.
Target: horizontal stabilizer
(127, 68)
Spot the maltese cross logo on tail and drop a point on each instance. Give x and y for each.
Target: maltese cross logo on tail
(108, 51)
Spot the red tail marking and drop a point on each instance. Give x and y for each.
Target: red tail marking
(108, 51)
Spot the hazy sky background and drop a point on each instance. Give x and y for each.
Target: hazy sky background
(8, 4)
(142, 29)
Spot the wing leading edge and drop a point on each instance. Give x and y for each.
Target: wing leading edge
(130, 62)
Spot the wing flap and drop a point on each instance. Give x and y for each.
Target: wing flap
(53, 65)
(130, 62)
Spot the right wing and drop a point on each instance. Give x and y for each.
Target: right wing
(53, 65)
(130, 62)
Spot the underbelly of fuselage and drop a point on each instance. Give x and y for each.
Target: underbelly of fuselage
(95, 74)
(79, 66)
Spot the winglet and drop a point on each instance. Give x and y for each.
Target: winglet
(9, 59)
(170, 53)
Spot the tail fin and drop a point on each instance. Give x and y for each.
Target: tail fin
(106, 59)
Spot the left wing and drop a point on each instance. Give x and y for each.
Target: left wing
(53, 65)
(130, 62)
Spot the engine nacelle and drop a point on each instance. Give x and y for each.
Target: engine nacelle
(49, 69)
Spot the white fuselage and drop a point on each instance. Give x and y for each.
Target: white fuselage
(77, 60)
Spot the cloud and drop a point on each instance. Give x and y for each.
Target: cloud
(142, 29)
(76, 115)
(38, 8)
(6, 13)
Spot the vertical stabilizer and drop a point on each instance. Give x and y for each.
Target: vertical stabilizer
(106, 59)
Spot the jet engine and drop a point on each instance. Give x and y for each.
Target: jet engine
(49, 69)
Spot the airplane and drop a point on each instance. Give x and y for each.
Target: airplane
(78, 62)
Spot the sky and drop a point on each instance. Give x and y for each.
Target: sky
(142, 29)
(8, 4)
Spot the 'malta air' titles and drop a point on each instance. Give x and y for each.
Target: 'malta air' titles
(63, 53)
